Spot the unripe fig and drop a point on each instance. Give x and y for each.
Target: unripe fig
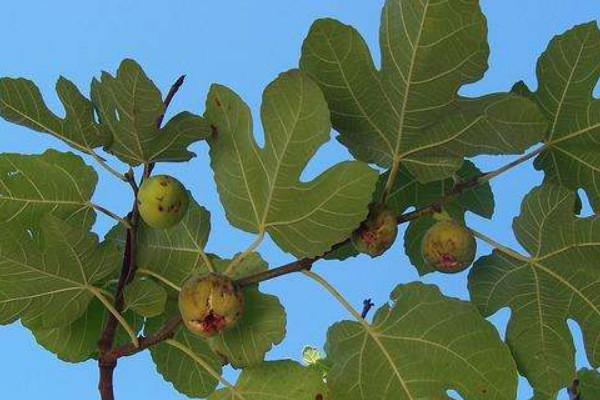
(162, 201)
(448, 247)
(377, 233)
(210, 304)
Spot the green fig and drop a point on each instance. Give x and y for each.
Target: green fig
(210, 304)
(377, 233)
(449, 247)
(162, 201)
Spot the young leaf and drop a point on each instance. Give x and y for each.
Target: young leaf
(260, 188)
(410, 113)
(53, 182)
(129, 106)
(78, 342)
(175, 253)
(589, 384)
(558, 281)
(145, 297)
(51, 285)
(277, 380)
(420, 347)
(262, 325)
(567, 73)
(21, 103)
(183, 370)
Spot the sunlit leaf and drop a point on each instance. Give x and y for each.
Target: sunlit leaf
(567, 73)
(183, 370)
(53, 182)
(260, 188)
(129, 106)
(78, 341)
(409, 113)
(276, 380)
(145, 297)
(420, 347)
(589, 384)
(51, 285)
(558, 280)
(21, 103)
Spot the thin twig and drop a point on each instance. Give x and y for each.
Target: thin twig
(166, 103)
(166, 332)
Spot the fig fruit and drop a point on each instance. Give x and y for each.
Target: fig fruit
(162, 201)
(448, 247)
(210, 304)
(377, 233)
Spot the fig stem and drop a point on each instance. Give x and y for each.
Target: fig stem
(107, 167)
(500, 247)
(158, 276)
(240, 257)
(188, 352)
(111, 214)
(117, 315)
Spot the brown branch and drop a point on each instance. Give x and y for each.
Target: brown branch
(106, 361)
(166, 102)
(166, 332)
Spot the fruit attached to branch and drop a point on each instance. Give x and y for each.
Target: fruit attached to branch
(210, 304)
(162, 201)
(449, 247)
(377, 233)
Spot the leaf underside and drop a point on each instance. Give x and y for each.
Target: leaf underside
(420, 347)
(260, 188)
(558, 280)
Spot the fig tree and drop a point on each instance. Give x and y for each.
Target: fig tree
(377, 233)
(162, 201)
(449, 247)
(210, 304)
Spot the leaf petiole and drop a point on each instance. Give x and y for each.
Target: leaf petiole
(111, 214)
(240, 257)
(161, 278)
(107, 167)
(188, 352)
(500, 247)
(117, 315)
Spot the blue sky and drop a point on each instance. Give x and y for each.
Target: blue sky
(244, 45)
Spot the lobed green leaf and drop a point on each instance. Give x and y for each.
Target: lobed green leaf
(261, 188)
(557, 281)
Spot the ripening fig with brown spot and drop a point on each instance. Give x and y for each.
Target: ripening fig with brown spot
(377, 234)
(162, 201)
(210, 304)
(449, 247)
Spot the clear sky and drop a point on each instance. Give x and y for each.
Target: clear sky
(243, 44)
